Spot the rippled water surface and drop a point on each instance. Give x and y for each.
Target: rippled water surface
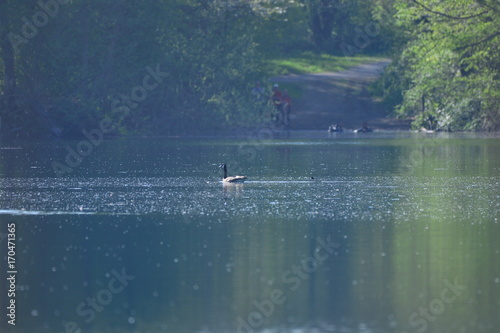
(386, 232)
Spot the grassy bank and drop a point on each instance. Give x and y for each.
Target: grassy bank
(309, 62)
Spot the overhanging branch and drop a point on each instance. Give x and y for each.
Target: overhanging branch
(477, 43)
(449, 16)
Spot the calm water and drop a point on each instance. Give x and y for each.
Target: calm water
(331, 233)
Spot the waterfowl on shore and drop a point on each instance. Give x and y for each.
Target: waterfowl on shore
(235, 179)
(364, 129)
(335, 128)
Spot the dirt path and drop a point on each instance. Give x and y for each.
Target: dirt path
(340, 97)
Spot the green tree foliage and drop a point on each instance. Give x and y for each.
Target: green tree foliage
(67, 64)
(448, 70)
(350, 27)
(282, 28)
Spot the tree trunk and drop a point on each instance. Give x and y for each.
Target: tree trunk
(321, 21)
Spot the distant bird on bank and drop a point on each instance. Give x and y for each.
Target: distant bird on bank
(364, 129)
(335, 128)
(235, 179)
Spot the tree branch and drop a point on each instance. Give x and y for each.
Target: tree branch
(477, 43)
(449, 16)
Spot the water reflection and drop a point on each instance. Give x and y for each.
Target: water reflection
(233, 189)
(383, 239)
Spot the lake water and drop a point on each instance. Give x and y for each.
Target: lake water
(380, 232)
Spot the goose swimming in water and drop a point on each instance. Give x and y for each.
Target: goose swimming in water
(235, 179)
